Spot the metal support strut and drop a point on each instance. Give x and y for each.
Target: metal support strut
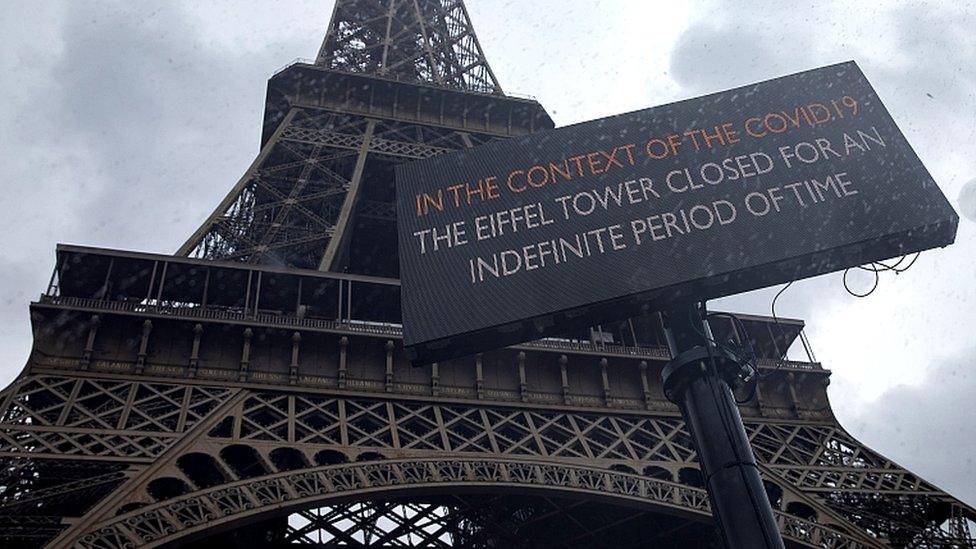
(698, 380)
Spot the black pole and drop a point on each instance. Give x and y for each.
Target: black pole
(697, 380)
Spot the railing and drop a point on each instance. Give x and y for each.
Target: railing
(211, 313)
(396, 78)
(365, 327)
(773, 364)
(296, 61)
(586, 346)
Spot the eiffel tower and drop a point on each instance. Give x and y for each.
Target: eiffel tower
(251, 389)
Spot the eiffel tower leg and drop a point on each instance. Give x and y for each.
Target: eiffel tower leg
(696, 379)
(235, 191)
(341, 237)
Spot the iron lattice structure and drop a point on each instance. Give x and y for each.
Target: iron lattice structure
(251, 389)
(394, 80)
(423, 42)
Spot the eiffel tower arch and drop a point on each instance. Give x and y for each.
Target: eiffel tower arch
(251, 390)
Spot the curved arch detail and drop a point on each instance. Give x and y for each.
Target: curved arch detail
(212, 508)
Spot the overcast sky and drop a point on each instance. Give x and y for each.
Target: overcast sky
(123, 124)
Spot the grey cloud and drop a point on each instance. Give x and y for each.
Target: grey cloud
(22, 282)
(720, 53)
(735, 42)
(122, 125)
(967, 200)
(928, 427)
(159, 115)
(937, 52)
(927, 69)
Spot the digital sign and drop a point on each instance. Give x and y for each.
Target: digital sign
(532, 237)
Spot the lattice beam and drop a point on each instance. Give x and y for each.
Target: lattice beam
(295, 206)
(429, 42)
(167, 521)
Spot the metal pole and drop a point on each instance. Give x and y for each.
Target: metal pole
(697, 379)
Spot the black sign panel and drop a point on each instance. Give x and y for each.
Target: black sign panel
(785, 179)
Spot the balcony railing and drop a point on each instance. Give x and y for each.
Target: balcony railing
(365, 327)
(395, 77)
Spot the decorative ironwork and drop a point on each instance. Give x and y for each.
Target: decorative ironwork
(468, 520)
(261, 447)
(166, 521)
(100, 418)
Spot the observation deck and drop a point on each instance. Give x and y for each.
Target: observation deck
(179, 317)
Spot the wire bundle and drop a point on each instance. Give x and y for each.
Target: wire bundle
(878, 267)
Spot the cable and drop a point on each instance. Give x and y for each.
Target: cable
(879, 266)
(876, 268)
(751, 360)
(695, 326)
(745, 353)
(752, 384)
(740, 326)
(877, 279)
(772, 305)
(779, 328)
(748, 361)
